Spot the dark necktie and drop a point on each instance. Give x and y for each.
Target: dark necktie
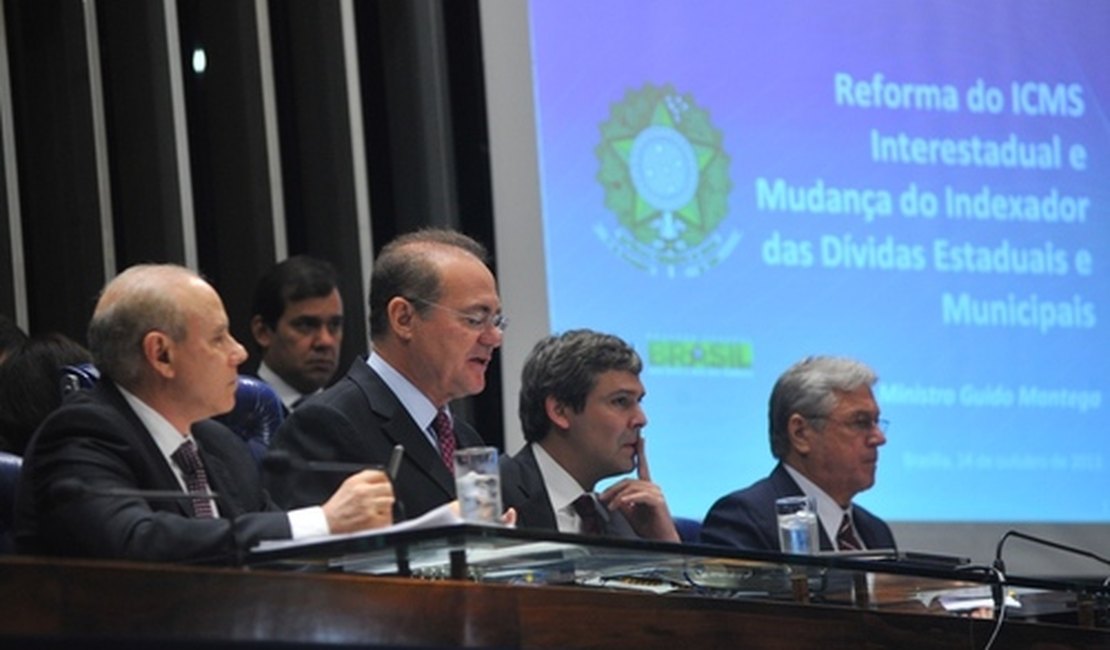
(846, 539)
(445, 436)
(196, 479)
(586, 508)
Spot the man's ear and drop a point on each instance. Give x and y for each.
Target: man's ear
(261, 332)
(402, 317)
(799, 432)
(556, 412)
(159, 352)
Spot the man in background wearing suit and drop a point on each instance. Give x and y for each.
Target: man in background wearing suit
(298, 326)
(435, 321)
(826, 433)
(580, 410)
(159, 336)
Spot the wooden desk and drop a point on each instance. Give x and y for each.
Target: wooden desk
(55, 603)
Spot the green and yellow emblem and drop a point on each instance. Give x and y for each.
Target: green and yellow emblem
(665, 176)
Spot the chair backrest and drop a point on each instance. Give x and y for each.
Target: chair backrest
(10, 466)
(689, 530)
(78, 377)
(256, 416)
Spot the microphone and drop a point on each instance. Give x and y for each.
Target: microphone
(68, 489)
(1046, 542)
(1000, 567)
(280, 462)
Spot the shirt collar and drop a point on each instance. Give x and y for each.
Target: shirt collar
(164, 434)
(419, 407)
(562, 490)
(829, 512)
(287, 393)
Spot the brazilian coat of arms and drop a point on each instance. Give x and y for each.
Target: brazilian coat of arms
(665, 176)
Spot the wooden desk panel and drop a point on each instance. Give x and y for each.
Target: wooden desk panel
(84, 603)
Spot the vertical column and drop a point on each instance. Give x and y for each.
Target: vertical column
(13, 279)
(229, 149)
(317, 84)
(60, 172)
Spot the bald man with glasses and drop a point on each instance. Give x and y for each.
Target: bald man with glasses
(435, 322)
(825, 432)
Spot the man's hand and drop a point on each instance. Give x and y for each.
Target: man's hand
(364, 500)
(642, 503)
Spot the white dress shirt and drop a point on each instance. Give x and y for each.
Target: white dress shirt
(829, 512)
(562, 490)
(288, 395)
(303, 522)
(415, 402)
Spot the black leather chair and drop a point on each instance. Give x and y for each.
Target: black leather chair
(10, 466)
(257, 414)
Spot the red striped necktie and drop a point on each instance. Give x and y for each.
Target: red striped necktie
(846, 539)
(196, 479)
(445, 436)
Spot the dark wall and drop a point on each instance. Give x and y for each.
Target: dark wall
(125, 153)
(59, 197)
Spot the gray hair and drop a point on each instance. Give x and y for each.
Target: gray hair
(405, 267)
(809, 388)
(566, 367)
(135, 302)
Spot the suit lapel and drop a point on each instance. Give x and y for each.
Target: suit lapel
(400, 428)
(785, 485)
(618, 526)
(220, 479)
(161, 474)
(418, 448)
(535, 504)
(870, 529)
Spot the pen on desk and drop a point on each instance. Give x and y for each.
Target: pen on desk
(394, 462)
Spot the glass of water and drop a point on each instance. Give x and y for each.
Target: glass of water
(797, 517)
(478, 484)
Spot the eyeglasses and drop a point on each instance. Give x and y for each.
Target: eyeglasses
(478, 321)
(863, 424)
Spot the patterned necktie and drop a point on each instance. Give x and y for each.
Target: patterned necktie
(445, 435)
(196, 479)
(586, 508)
(845, 537)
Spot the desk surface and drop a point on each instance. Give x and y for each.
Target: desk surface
(84, 603)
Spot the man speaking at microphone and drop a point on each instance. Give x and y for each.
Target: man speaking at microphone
(435, 322)
(159, 336)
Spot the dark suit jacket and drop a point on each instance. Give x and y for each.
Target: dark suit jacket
(359, 420)
(746, 518)
(96, 438)
(522, 488)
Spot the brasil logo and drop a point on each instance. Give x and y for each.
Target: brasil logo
(699, 356)
(665, 176)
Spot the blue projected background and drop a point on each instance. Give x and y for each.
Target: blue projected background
(921, 185)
